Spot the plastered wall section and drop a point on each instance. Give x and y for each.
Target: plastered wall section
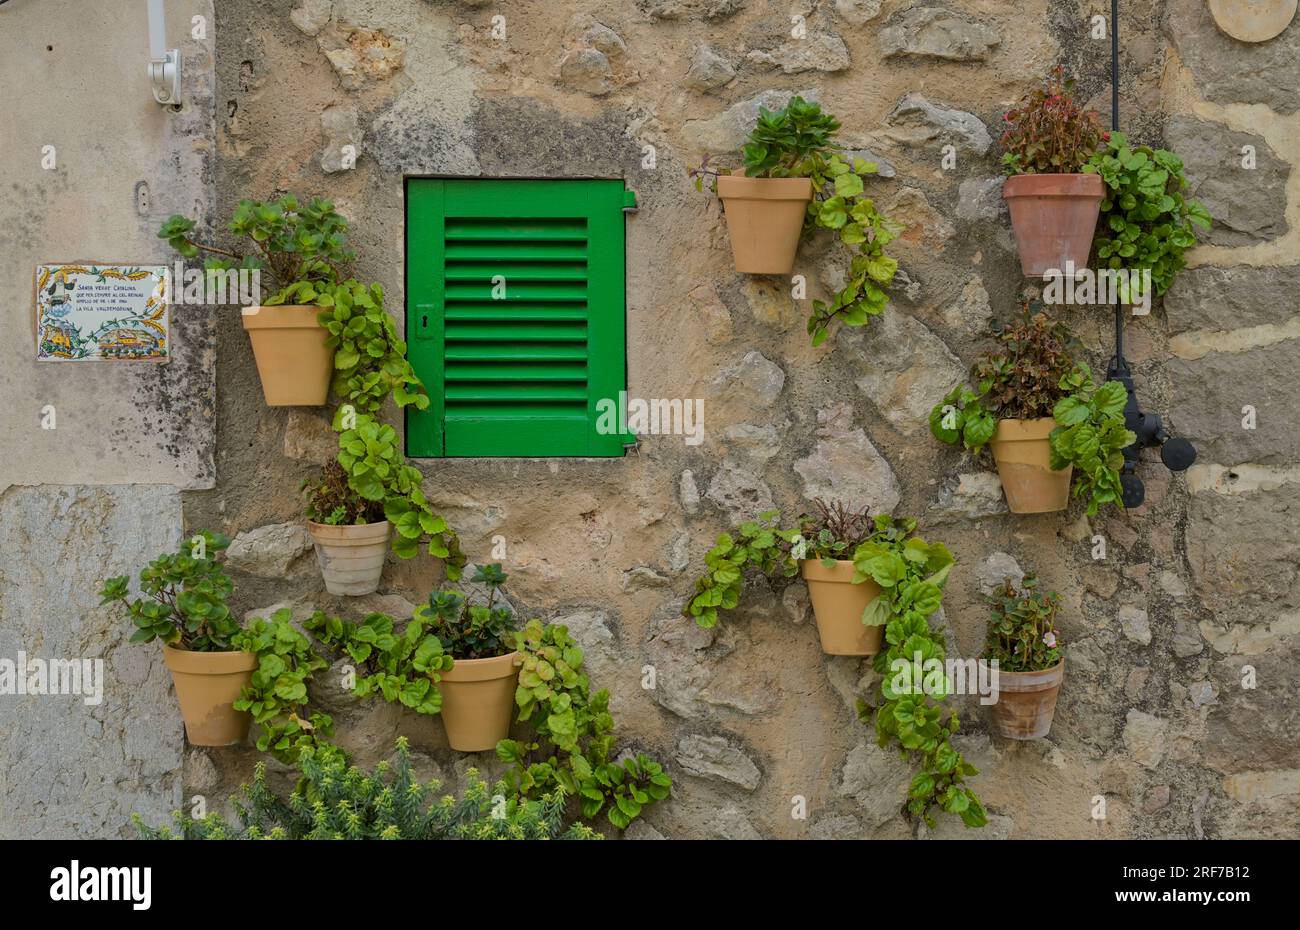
(74, 94)
(81, 137)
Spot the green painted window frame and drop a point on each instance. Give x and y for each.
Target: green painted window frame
(491, 417)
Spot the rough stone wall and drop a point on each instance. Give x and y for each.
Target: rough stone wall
(1197, 584)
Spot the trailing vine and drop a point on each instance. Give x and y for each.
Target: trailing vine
(840, 203)
(1147, 221)
(572, 746)
(832, 532)
(1092, 436)
(760, 544)
(277, 694)
(370, 453)
(401, 667)
(912, 574)
(369, 357)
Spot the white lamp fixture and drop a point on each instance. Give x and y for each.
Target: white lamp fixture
(164, 63)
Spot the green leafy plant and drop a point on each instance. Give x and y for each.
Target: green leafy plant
(1047, 132)
(832, 532)
(471, 631)
(798, 141)
(378, 472)
(1146, 220)
(401, 667)
(784, 143)
(301, 247)
(1022, 627)
(334, 801)
(183, 598)
(572, 746)
(912, 574)
(1033, 374)
(277, 694)
(1091, 436)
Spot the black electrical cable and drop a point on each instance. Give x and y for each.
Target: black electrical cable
(1119, 362)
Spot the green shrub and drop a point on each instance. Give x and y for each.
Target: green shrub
(333, 801)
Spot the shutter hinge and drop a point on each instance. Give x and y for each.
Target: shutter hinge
(629, 202)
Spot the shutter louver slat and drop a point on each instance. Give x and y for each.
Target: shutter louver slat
(524, 354)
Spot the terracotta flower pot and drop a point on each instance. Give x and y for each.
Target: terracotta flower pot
(478, 699)
(293, 361)
(207, 685)
(351, 558)
(765, 219)
(838, 604)
(1026, 702)
(1023, 455)
(1054, 217)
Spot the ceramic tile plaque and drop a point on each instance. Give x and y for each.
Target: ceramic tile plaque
(91, 312)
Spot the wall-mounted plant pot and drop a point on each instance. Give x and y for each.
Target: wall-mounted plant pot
(1023, 453)
(293, 361)
(207, 686)
(1026, 702)
(838, 604)
(351, 558)
(478, 700)
(1054, 217)
(765, 220)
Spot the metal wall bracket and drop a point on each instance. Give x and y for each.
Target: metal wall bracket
(165, 76)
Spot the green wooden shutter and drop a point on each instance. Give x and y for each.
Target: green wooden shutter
(522, 375)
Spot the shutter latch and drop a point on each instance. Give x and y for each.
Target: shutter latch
(629, 202)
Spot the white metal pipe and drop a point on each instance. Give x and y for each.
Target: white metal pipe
(157, 30)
